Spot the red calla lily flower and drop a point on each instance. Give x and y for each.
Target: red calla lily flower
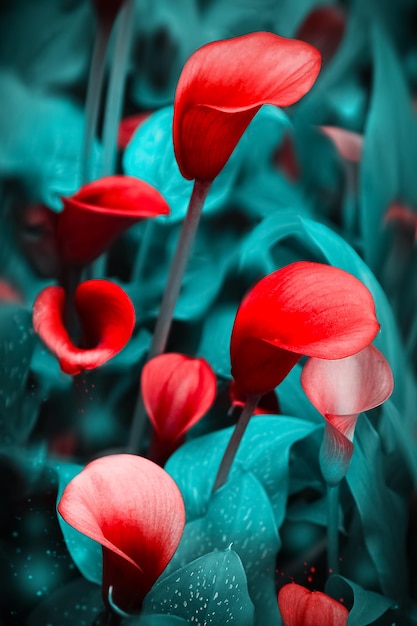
(267, 405)
(177, 391)
(347, 143)
(222, 87)
(107, 319)
(304, 308)
(100, 211)
(134, 509)
(127, 128)
(300, 607)
(340, 390)
(324, 29)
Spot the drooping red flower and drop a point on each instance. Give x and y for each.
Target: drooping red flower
(134, 509)
(107, 318)
(347, 143)
(100, 211)
(341, 390)
(127, 128)
(222, 87)
(324, 28)
(300, 607)
(177, 391)
(304, 308)
(268, 404)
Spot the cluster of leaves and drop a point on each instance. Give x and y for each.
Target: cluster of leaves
(288, 192)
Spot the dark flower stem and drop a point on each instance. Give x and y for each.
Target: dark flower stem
(333, 529)
(116, 89)
(170, 297)
(235, 439)
(95, 85)
(148, 231)
(70, 280)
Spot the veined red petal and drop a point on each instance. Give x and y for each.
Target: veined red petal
(342, 389)
(300, 607)
(135, 510)
(304, 308)
(107, 319)
(100, 211)
(223, 85)
(347, 143)
(177, 391)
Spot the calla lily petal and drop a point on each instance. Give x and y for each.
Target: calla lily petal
(100, 211)
(347, 143)
(107, 319)
(301, 607)
(348, 386)
(177, 391)
(304, 308)
(223, 85)
(324, 28)
(135, 510)
(267, 405)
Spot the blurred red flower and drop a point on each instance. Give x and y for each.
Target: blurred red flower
(300, 607)
(106, 315)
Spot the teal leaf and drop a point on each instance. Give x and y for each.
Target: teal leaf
(86, 553)
(210, 590)
(151, 619)
(389, 153)
(215, 339)
(367, 606)
(18, 408)
(383, 513)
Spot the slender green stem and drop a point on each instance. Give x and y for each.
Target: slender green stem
(170, 297)
(116, 89)
(333, 529)
(95, 85)
(142, 256)
(235, 439)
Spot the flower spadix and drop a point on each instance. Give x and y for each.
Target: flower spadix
(224, 84)
(100, 211)
(135, 510)
(106, 316)
(177, 391)
(301, 607)
(304, 308)
(341, 390)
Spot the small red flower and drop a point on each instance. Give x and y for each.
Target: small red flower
(127, 128)
(340, 390)
(135, 510)
(304, 308)
(222, 87)
(324, 29)
(8, 293)
(300, 607)
(177, 391)
(347, 143)
(100, 211)
(106, 316)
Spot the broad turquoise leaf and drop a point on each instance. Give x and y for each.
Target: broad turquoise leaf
(86, 553)
(367, 606)
(383, 513)
(389, 152)
(210, 590)
(238, 514)
(156, 620)
(215, 339)
(18, 405)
